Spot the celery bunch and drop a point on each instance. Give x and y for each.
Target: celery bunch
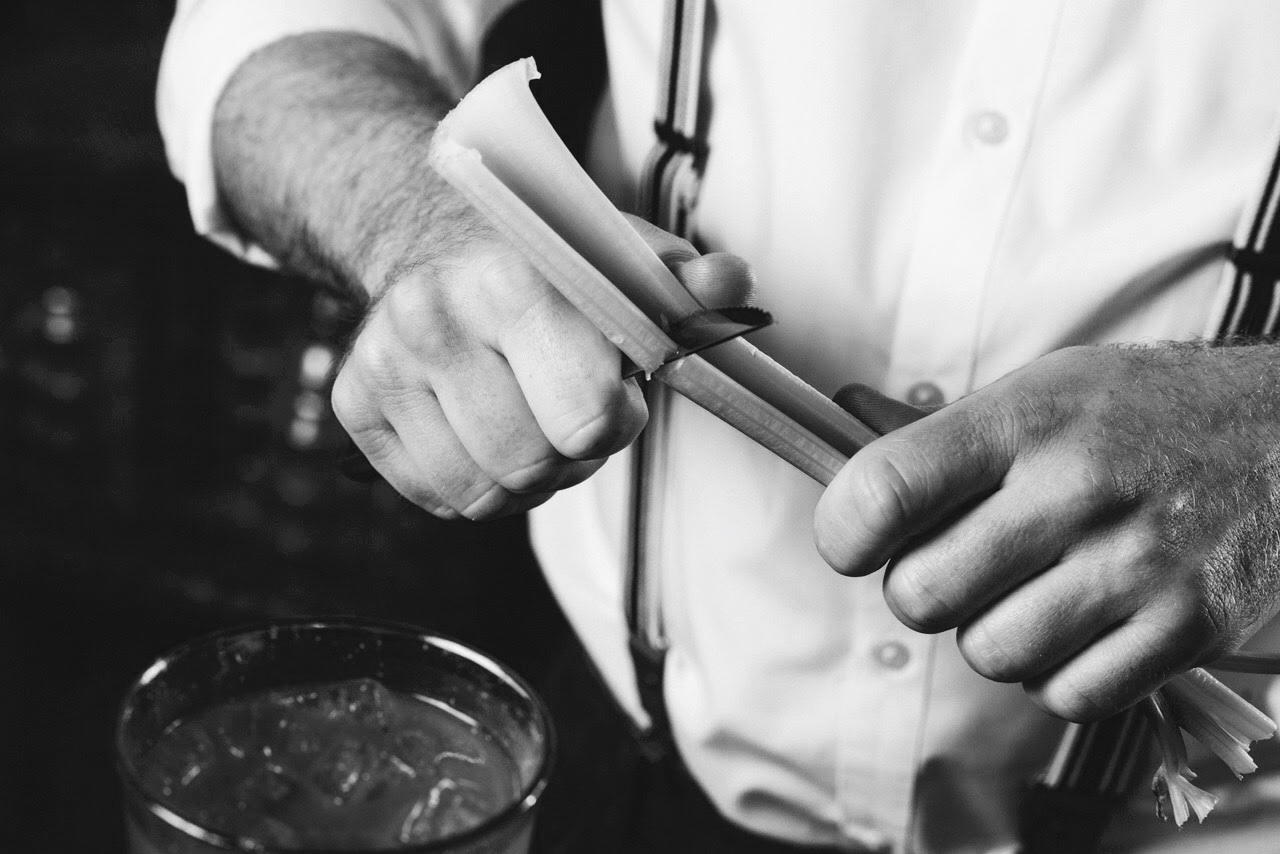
(1217, 717)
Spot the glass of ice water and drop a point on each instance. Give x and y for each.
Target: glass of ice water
(331, 736)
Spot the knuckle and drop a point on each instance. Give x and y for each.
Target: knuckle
(409, 302)
(1137, 565)
(503, 272)
(373, 358)
(547, 474)
(346, 400)
(486, 501)
(420, 317)
(376, 442)
(1194, 627)
(540, 474)
(428, 499)
(595, 428)
(919, 599)
(992, 655)
(996, 430)
(879, 492)
(1089, 482)
(506, 291)
(1066, 698)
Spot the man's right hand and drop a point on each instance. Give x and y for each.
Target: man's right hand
(473, 387)
(476, 390)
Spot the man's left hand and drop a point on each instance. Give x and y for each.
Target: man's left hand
(1092, 524)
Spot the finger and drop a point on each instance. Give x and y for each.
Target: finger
(380, 388)
(1043, 509)
(718, 279)
(670, 248)
(375, 440)
(385, 452)
(567, 380)
(1117, 669)
(970, 561)
(399, 469)
(879, 412)
(441, 466)
(1044, 622)
(483, 407)
(387, 407)
(904, 484)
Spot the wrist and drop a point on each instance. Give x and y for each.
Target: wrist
(421, 229)
(320, 145)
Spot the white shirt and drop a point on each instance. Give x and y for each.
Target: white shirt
(931, 195)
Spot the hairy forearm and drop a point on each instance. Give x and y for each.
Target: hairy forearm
(320, 144)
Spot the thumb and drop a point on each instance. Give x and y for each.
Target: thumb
(879, 412)
(718, 279)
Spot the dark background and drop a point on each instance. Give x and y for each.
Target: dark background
(165, 469)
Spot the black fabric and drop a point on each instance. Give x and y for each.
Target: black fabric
(607, 797)
(1253, 320)
(879, 412)
(1258, 259)
(566, 39)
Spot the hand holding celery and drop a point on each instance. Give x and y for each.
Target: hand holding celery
(498, 150)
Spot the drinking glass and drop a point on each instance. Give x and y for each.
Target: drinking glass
(211, 696)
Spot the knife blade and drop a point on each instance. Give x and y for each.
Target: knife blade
(705, 329)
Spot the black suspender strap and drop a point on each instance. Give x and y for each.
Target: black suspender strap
(1249, 301)
(672, 174)
(669, 192)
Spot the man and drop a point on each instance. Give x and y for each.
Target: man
(931, 196)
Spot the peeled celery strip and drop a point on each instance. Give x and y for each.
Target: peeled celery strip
(1218, 718)
(500, 119)
(554, 212)
(1210, 732)
(1201, 689)
(1176, 796)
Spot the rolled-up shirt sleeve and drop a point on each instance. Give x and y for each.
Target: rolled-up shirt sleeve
(209, 39)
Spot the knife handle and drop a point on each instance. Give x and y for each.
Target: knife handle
(881, 413)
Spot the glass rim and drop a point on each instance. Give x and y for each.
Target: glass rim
(520, 806)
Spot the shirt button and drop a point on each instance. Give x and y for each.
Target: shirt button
(989, 127)
(892, 655)
(925, 394)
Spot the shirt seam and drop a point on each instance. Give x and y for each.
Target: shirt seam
(1001, 232)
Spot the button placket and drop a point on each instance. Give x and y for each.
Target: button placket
(885, 684)
(970, 188)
